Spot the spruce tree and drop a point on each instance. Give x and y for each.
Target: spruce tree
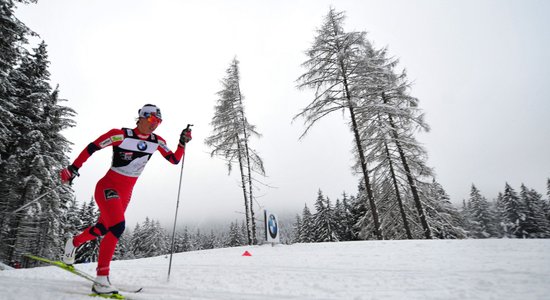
(88, 252)
(482, 219)
(153, 239)
(187, 244)
(339, 218)
(234, 239)
(547, 203)
(535, 225)
(137, 241)
(323, 220)
(514, 213)
(307, 230)
(13, 34)
(349, 231)
(296, 229)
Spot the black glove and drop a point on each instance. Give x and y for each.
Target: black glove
(68, 174)
(185, 136)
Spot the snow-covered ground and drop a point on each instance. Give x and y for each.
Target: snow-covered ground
(438, 269)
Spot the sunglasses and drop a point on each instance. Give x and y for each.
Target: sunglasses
(152, 118)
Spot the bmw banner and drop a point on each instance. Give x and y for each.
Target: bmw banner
(271, 227)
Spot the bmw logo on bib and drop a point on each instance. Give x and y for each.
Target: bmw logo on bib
(142, 146)
(271, 227)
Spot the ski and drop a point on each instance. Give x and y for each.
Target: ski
(108, 296)
(75, 271)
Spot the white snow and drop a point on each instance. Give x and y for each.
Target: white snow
(5, 267)
(437, 269)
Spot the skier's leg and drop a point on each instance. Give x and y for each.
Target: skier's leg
(99, 229)
(90, 233)
(73, 243)
(112, 203)
(107, 248)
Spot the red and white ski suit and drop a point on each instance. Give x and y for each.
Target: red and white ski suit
(131, 152)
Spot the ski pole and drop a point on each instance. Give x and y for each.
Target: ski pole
(176, 215)
(37, 198)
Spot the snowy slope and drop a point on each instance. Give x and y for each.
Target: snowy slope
(438, 269)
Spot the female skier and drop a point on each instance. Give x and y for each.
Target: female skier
(132, 148)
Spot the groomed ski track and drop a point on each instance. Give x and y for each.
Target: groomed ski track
(419, 269)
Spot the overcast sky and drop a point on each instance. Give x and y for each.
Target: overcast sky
(481, 71)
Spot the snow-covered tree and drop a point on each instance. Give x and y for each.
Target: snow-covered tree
(445, 220)
(31, 146)
(325, 226)
(296, 229)
(235, 237)
(123, 247)
(183, 241)
(88, 252)
(513, 213)
(331, 66)
(535, 225)
(13, 34)
(231, 140)
(307, 230)
(481, 217)
(547, 202)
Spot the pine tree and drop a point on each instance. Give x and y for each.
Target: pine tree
(71, 220)
(210, 242)
(186, 240)
(123, 247)
(333, 60)
(13, 34)
(296, 229)
(514, 213)
(547, 203)
(307, 230)
(88, 252)
(339, 218)
(323, 220)
(153, 239)
(199, 240)
(349, 231)
(536, 225)
(234, 238)
(137, 248)
(231, 140)
(36, 153)
(482, 219)
(501, 216)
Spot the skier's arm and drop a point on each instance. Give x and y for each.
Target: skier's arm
(170, 156)
(113, 136)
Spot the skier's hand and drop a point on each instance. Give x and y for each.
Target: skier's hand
(68, 174)
(185, 136)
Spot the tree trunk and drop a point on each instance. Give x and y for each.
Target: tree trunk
(398, 196)
(243, 181)
(370, 196)
(355, 129)
(410, 179)
(247, 155)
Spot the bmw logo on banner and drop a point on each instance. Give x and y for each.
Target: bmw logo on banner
(271, 227)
